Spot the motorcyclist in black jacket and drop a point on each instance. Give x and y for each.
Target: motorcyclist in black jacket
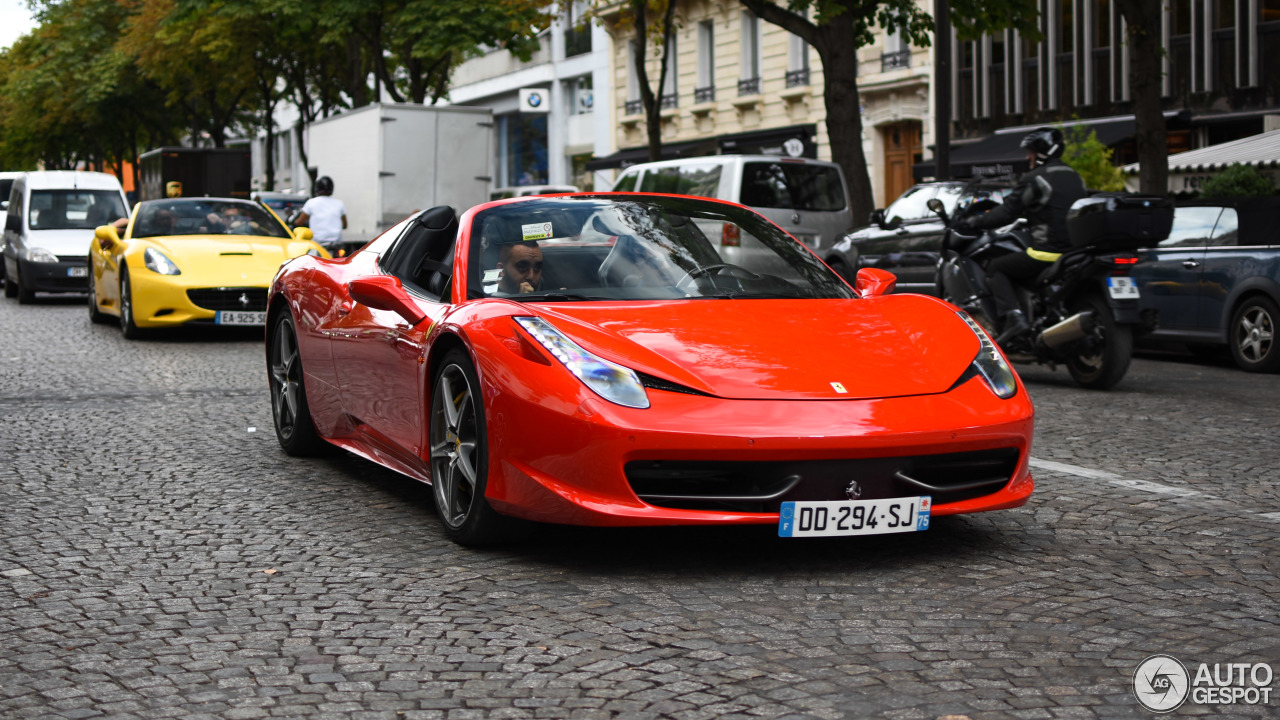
(1043, 196)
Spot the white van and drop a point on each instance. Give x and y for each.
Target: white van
(48, 227)
(807, 198)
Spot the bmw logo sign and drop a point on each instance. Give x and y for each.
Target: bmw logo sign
(534, 99)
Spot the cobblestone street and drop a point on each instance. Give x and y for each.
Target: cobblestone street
(161, 557)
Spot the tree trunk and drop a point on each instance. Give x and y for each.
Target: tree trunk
(844, 112)
(1143, 24)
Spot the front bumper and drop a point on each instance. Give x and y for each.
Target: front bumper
(584, 465)
(172, 300)
(70, 274)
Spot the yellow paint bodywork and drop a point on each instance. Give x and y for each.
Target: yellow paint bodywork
(205, 261)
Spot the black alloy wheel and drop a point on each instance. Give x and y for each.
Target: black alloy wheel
(459, 450)
(96, 316)
(1100, 359)
(128, 328)
(290, 412)
(1253, 335)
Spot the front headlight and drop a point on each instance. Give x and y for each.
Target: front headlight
(610, 381)
(158, 262)
(39, 255)
(990, 364)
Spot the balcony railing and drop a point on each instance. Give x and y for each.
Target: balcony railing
(633, 107)
(749, 86)
(704, 95)
(895, 60)
(670, 101)
(797, 78)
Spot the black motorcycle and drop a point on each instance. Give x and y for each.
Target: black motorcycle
(1083, 309)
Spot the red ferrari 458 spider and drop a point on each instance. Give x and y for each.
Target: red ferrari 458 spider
(634, 359)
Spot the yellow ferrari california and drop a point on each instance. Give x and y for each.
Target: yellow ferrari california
(190, 261)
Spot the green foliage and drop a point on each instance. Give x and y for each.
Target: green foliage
(1086, 154)
(1238, 180)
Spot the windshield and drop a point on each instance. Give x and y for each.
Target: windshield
(639, 248)
(73, 209)
(205, 217)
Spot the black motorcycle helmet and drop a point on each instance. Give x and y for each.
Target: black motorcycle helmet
(1046, 142)
(324, 185)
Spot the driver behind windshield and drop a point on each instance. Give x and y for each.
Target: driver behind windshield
(521, 267)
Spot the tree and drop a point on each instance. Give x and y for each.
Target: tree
(837, 30)
(1238, 180)
(1086, 154)
(650, 22)
(1143, 22)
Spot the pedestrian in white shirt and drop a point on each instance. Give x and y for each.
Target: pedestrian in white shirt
(325, 215)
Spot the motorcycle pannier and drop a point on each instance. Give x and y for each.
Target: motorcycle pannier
(1120, 221)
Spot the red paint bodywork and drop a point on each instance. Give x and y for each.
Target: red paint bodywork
(557, 449)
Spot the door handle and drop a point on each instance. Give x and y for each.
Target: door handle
(1190, 264)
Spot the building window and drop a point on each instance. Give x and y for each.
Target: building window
(670, 95)
(522, 149)
(577, 29)
(706, 89)
(749, 77)
(897, 51)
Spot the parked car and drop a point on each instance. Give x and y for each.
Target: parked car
(906, 237)
(286, 205)
(807, 198)
(656, 385)
(48, 227)
(190, 260)
(1215, 282)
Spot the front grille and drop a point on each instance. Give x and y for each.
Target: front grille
(76, 259)
(762, 487)
(246, 299)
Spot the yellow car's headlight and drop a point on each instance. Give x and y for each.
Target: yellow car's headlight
(157, 261)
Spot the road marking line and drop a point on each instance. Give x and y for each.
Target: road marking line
(1112, 478)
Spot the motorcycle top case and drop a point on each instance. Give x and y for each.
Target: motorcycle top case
(1120, 221)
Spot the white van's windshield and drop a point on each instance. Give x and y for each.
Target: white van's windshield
(792, 186)
(73, 209)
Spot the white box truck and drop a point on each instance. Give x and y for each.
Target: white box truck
(388, 160)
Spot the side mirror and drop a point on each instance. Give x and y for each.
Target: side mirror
(878, 219)
(384, 292)
(107, 236)
(874, 282)
(304, 233)
(938, 208)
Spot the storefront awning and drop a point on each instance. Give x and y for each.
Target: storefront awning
(1001, 153)
(1191, 169)
(794, 141)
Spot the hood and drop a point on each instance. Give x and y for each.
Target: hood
(63, 243)
(227, 259)
(889, 346)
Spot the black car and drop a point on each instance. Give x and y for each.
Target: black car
(906, 237)
(1215, 281)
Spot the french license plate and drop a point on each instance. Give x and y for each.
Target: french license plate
(1122, 288)
(832, 518)
(240, 317)
(77, 272)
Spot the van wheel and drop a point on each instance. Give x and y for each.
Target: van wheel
(10, 285)
(26, 295)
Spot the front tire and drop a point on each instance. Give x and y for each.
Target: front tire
(96, 316)
(26, 295)
(1100, 360)
(459, 448)
(1253, 333)
(128, 327)
(290, 413)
